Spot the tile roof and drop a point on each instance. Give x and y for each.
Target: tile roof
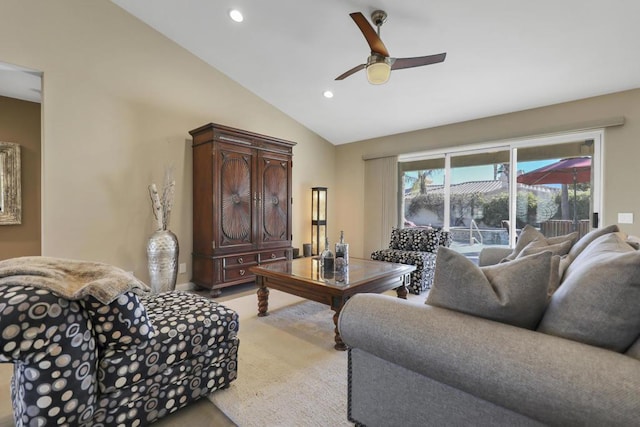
(486, 187)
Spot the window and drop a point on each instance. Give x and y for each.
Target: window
(486, 194)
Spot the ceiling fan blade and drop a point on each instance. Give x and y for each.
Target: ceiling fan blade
(351, 71)
(369, 34)
(417, 61)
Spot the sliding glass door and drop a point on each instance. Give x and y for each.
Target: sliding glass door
(479, 197)
(423, 193)
(554, 188)
(485, 195)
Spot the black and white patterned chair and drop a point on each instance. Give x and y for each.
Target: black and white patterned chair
(83, 363)
(415, 246)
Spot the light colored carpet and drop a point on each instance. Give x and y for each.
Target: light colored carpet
(288, 371)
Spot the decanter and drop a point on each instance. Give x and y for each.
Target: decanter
(326, 257)
(342, 249)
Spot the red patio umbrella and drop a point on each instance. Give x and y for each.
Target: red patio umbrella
(566, 171)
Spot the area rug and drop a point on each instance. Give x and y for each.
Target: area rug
(288, 371)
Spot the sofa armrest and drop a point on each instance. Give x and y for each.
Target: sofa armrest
(51, 344)
(546, 378)
(492, 255)
(36, 324)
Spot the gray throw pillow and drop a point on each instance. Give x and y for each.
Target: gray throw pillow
(571, 237)
(598, 300)
(590, 237)
(558, 252)
(610, 242)
(542, 245)
(529, 235)
(554, 276)
(581, 245)
(634, 241)
(514, 292)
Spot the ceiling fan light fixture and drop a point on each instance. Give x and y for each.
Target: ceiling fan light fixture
(378, 69)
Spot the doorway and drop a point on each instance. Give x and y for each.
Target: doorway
(21, 122)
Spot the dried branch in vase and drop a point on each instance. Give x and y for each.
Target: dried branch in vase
(162, 206)
(167, 196)
(156, 207)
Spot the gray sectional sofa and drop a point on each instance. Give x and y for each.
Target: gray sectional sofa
(476, 363)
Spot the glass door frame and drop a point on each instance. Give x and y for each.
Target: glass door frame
(595, 135)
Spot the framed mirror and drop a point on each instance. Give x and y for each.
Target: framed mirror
(10, 190)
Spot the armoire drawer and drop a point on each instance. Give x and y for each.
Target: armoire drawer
(274, 255)
(231, 274)
(240, 260)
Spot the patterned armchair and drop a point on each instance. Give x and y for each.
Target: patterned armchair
(84, 363)
(415, 246)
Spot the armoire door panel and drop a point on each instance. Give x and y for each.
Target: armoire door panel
(236, 202)
(275, 197)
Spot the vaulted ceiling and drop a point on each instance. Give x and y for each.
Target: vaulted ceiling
(502, 56)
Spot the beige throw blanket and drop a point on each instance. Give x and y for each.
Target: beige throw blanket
(70, 279)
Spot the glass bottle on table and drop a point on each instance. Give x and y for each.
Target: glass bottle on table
(342, 249)
(326, 257)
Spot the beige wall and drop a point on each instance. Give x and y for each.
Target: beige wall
(20, 123)
(119, 100)
(621, 152)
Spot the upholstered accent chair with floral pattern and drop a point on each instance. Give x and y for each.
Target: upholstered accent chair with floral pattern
(127, 363)
(415, 246)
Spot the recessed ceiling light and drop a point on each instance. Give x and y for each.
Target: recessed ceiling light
(236, 15)
(328, 94)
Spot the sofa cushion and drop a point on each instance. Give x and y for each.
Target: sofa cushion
(513, 292)
(597, 302)
(187, 326)
(120, 324)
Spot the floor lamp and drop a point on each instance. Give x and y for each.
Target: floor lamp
(318, 219)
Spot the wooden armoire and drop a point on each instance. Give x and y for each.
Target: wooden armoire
(241, 204)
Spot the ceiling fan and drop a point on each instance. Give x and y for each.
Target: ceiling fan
(379, 64)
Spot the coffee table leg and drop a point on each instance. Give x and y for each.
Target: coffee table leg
(263, 298)
(340, 345)
(402, 290)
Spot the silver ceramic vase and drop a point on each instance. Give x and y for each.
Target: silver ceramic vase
(162, 253)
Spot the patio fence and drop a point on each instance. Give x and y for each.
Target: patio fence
(500, 236)
(488, 236)
(559, 227)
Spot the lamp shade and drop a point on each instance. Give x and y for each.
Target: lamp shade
(378, 70)
(318, 219)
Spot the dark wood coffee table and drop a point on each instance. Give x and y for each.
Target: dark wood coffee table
(303, 277)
